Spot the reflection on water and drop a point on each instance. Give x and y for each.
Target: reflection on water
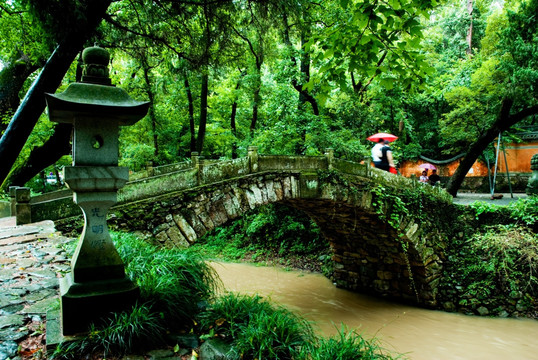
(420, 334)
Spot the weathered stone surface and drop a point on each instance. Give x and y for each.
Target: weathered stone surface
(8, 349)
(218, 213)
(483, 311)
(232, 207)
(11, 320)
(364, 243)
(160, 354)
(177, 238)
(215, 349)
(12, 334)
(162, 237)
(185, 228)
(41, 307)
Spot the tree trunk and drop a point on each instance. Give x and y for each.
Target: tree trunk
(50, 152)
(151, 112)
(470, 31)
(12, 78)
(48, 80)
(232, 121)
(203, 112)
(504, 122)
(257, 98)
(191, 113)
(304, 96)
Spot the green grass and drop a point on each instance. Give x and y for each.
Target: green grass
(346, 345)
(172, 281)
(177, 295)
(257, 329)
(173, 286)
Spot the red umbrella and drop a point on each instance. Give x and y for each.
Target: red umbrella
(427, 166)
(384, 136)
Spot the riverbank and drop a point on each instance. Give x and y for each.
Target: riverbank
(33, 256)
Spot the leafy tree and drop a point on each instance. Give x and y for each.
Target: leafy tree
(510, 90)
(82, 18)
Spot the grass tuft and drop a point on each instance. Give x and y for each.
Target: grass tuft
(346, 345)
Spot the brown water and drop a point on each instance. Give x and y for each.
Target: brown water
(420, 334)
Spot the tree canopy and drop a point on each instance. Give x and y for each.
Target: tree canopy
(290, 76)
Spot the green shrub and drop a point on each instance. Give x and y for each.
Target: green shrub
(346, 345)
(173, 282)
(497, 263)
(280, 229)
(523, 211)
(125, 332)
(256, 329)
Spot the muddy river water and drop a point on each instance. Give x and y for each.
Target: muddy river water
(418, 333)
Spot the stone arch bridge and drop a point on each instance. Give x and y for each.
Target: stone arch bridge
(377, 250)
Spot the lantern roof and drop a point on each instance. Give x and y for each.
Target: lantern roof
(95, 96)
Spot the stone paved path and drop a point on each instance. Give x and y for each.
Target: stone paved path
(31, 256)
(466, 198)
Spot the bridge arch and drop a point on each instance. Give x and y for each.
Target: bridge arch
(368, 252)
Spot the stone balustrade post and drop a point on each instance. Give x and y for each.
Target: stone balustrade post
(13, 200)
(367, 160)
(200, 167)
(194, 158)
(23, 209)
(532, 185)
(329, 154)
(149, 168)
(253, 159)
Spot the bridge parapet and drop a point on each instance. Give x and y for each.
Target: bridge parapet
(198, 172)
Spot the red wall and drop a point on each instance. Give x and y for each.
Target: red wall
(518, 157)
(409, 167)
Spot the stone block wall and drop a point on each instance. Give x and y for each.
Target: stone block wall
(368, 253)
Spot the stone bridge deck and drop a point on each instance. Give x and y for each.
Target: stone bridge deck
(380, 244)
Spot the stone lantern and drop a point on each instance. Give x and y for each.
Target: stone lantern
(532, 185)
(97, 283)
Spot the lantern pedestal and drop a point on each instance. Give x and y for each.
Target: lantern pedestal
(84, 303)
(97, 284)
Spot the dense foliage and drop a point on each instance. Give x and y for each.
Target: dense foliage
(293, 77)
(274, 233)
(494, 266)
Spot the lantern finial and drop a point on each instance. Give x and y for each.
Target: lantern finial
(95, 68)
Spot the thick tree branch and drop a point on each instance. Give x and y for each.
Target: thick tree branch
(48, 80)
(503, 122)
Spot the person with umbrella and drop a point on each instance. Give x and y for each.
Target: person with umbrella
(434, 178)
(381, 152)
(377, 154)
(424, 177)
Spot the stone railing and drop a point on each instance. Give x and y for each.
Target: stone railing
(198, 172)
